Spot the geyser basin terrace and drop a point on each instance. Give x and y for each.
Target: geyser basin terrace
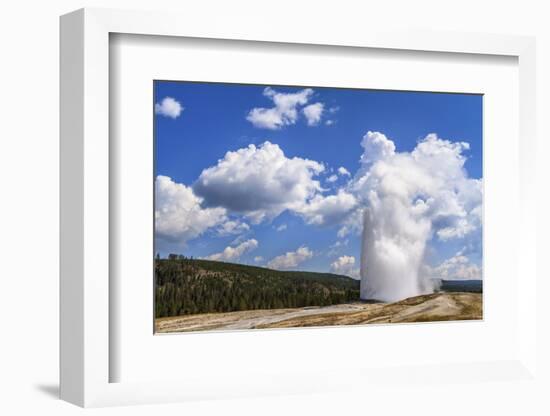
(279, 206)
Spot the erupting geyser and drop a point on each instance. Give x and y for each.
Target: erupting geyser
(410, 198)
(391, 259)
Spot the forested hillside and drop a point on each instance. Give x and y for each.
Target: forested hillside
(187, 286)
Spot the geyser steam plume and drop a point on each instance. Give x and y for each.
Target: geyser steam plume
(410, 198)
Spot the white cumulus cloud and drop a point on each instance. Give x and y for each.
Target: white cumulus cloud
(259, 182)
(291, 259)
(234, 253)
(285, 110)
(345, 265)
(283, 113)
(179, 216)
(313, 113)
(233, 227)
(376, 147)
(328, 210)
(343, 171)
(332, 178)
(458, 267)
(169, 107)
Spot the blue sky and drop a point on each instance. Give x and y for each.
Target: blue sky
(196, 124)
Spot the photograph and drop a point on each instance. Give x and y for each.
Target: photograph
(294, 206)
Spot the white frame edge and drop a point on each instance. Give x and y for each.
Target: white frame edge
(84, 176)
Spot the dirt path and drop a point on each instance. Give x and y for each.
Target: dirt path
(249, 319)
(268, 320)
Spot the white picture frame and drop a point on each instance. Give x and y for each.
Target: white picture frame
(85, 353)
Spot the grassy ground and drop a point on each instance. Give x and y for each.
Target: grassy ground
(425, 308)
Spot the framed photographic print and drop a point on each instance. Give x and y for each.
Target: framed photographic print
(286, 207)
(267, 212)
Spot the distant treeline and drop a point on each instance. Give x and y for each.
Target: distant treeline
(472, 286)
(186, 286)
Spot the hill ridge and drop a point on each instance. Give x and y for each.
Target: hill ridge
(189, 286)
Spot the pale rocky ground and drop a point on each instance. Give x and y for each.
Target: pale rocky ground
(425, 308)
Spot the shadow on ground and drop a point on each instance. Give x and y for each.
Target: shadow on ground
(51, 390)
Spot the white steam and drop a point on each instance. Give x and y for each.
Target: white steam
(409, 198)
